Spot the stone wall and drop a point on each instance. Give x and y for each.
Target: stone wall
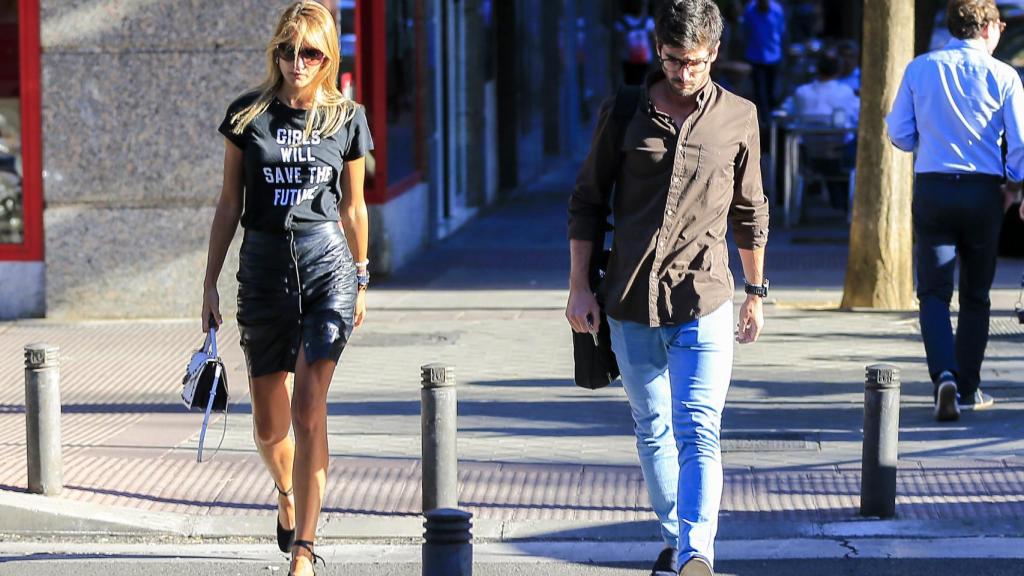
(133, 91)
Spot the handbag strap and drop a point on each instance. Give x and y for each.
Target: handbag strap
(209, 409)
(210, 346)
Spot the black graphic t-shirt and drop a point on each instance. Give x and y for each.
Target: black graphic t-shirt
(292, 183)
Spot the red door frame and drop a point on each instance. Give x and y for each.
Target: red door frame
(31, 248)
(372, 91)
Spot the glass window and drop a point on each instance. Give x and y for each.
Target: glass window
(404, 27)
(11, 216)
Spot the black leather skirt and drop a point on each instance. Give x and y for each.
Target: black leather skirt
(295, 289)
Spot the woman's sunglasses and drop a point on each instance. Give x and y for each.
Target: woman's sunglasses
(310, 56)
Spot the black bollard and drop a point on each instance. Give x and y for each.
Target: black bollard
(881, 441)
(42, 419)
(447, 550)
(438, 419)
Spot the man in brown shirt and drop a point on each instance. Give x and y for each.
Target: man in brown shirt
(685, 164)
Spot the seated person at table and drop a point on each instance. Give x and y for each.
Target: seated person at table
(821, 98)
(829, 102)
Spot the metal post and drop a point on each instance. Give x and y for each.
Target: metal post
(42, 419)
(447, 550)
(438, 419)
(881, 441)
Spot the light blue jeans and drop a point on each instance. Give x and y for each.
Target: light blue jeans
(676, 379)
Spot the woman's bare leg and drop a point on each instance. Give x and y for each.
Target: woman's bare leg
(272, 418)
(309, 419)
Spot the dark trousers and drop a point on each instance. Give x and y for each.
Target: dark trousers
(763, 76)
(956, 216)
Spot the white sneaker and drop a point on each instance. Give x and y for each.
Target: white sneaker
(980, 401)
(696, 566)
(947, 409)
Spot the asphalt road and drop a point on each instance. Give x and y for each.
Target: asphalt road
(803, 557)
(43, 566)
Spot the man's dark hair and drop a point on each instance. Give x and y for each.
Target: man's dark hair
(828, 66)
(689, 24)
(967, 18)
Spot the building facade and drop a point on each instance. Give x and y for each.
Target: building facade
(110, 163)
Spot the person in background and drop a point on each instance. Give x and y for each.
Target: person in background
(634, 32)
(764, 25)
(825, 95)
(826, 100)
(849, 56)
(958, 137)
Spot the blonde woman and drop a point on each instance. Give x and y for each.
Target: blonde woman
(293, 170)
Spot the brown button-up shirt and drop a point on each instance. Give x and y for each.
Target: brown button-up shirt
(675, 190)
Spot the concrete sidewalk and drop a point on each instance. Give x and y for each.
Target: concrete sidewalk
(539, 458)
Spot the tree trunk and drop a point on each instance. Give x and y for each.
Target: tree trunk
(880, 268)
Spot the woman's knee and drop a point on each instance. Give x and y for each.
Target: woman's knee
(308, 417)
(270, 411)
(267, 432)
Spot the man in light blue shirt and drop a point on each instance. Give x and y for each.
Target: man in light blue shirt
(956, 108)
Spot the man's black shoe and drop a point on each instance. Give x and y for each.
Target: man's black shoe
(946, 407)
(667, 563)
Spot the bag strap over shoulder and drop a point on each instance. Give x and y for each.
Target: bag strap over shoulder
(627, 99)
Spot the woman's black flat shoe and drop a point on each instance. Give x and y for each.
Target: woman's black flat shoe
(285, 537)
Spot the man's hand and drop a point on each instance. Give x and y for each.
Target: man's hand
(751, 320)
(582, 311)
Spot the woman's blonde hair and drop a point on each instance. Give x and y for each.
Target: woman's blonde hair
(305, 23)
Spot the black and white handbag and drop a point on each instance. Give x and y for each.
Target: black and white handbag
(205, 386)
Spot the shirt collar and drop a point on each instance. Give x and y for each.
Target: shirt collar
(656, 75)
(973, 43)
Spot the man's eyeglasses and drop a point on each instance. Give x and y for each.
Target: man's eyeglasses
(310, 56)
(673, 65)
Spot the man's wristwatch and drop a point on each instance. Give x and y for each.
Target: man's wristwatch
(362, 280)
(756, 290)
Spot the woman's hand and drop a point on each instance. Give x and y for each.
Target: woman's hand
(211, 308)
(360, 307)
